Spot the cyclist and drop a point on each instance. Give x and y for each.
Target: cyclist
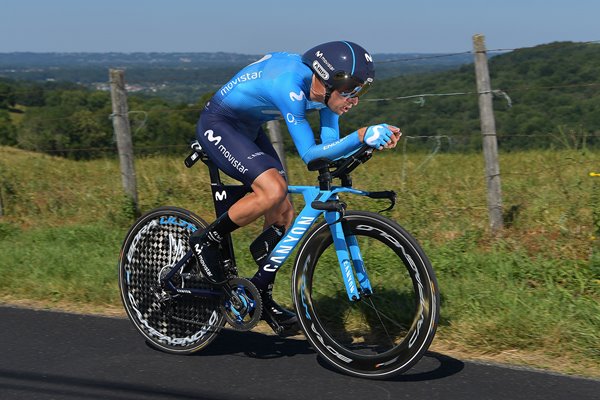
(329, 78)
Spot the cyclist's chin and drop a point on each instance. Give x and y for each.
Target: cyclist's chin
(340, 109)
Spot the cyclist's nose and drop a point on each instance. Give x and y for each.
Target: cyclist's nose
(352, 100)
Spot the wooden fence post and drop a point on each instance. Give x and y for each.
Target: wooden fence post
(122, 129)
(488, 130)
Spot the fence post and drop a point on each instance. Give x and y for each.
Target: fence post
(122, 129)
(488, 130)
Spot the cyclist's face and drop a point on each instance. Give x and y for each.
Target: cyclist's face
(340, 104)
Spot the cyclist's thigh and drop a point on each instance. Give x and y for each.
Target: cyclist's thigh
(262, 141)
(230, 147)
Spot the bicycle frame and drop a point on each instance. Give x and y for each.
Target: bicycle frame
(346, 246)
(323, 200)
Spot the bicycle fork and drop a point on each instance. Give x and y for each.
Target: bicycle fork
(349, 257)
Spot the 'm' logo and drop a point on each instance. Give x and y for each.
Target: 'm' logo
(297, 96)
(376, 133)
(220, 196)
(212, 138)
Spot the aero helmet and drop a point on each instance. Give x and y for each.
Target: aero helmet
(342, 66)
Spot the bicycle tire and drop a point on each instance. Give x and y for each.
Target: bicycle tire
(381, 335)
(174, 324)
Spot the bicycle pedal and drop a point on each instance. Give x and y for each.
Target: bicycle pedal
(284, 331)
(278, 329)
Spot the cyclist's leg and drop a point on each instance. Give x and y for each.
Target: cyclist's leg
(269, 196)
(231, 146)
(269, 191)
(277, 219)
(283, 213)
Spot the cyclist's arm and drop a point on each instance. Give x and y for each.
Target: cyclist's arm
(332, 147)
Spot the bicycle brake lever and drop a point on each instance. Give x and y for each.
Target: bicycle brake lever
(384, 194)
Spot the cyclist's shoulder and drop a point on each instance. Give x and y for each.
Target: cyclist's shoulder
(287, 80)
(287, 68)
(282, 59)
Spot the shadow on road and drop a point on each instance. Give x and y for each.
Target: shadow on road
(431, 367)
(37, 385)
(256, 345)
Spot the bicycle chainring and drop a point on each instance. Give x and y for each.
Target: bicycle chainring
(242, 304)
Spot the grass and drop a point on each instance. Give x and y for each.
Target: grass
(530, 296)
(61, 264)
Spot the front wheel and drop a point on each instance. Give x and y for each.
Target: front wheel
(172, 323)
(385, 332)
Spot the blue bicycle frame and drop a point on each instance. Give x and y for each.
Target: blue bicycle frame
(322, 200)
(346, 247)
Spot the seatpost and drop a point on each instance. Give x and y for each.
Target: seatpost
(324, 179)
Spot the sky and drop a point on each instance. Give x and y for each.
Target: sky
(260, 26)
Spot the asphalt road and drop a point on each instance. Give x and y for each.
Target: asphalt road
(51, 355)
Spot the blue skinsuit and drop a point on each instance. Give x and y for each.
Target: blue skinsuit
(278, 85)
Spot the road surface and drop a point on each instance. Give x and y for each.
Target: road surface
(52, 355)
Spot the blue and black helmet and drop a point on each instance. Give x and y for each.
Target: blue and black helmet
(342, 66)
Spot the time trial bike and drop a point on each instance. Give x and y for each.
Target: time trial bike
(363, 289)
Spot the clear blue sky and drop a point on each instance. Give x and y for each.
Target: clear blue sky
(258, 26)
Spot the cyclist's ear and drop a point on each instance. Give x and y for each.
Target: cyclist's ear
(317, 89)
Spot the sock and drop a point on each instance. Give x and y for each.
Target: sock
(261, 249)
(262, 246)
(217, 230)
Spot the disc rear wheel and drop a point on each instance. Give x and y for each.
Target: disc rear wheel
(172, 323)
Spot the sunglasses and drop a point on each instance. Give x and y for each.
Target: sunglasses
(356, 92)
(350, 87)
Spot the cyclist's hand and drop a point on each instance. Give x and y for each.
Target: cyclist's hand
(381, 136)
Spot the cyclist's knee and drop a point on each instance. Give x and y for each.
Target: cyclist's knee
(282, 214)
(270, 188)
(287, 213)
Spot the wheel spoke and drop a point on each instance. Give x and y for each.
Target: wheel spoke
(387, 333)
(380, 314)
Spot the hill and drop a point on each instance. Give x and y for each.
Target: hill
(178, 76)
(553, 93)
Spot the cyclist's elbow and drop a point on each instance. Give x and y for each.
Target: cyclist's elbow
(307, 157)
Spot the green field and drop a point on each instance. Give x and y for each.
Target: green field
(530, 296)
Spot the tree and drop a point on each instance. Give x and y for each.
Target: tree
(7, 96)
(8, 132)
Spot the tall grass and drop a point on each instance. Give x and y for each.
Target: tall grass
(535, 289)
